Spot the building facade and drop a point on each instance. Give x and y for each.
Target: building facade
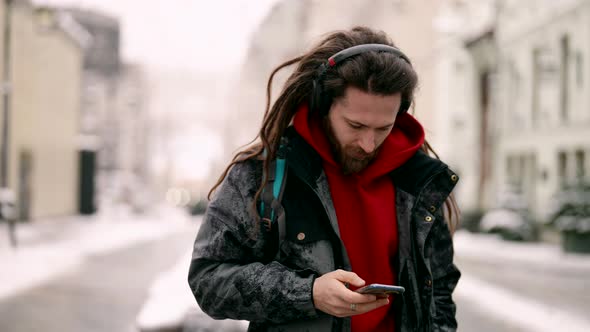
(465, 69)
(99, 125)
(518, 98)
(544, 98)
(46, 55)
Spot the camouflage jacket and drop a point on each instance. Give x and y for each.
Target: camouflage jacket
(235, 274)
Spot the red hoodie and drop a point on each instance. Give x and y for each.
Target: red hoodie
(365, 206)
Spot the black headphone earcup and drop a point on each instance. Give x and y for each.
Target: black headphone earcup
(404, 106)
(319, 102)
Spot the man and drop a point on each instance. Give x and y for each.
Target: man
(362, 203)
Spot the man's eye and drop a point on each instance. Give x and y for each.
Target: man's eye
(355, 126)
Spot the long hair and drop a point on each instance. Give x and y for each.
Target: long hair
(371, 72)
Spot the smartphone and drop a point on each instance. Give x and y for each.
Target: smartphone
(380, 289)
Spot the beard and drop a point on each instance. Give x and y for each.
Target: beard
(352, 159)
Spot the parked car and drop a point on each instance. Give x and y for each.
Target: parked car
(509, 224)
(511, 219)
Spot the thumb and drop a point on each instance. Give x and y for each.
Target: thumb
(350, 277)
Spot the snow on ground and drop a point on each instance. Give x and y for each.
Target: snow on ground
(499, 302)
(169, 298)
(48, 248)
(542, 256)
(28, 267)
(51, 247)
(517, 310)
(171, 304)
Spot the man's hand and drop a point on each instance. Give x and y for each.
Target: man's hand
(331, 296)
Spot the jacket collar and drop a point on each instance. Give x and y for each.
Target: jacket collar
(302, 158)
(413, 177)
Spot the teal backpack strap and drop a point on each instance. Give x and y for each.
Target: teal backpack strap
(271, 210)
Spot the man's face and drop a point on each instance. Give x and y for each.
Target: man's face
(357, 125)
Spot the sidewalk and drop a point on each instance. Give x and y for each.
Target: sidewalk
(51, 247)
(540, 257)
(170, 306)
(518, 282)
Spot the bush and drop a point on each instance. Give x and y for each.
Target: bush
(572, 209)
(198, 208)
(572, 217)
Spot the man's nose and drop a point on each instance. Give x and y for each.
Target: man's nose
(367, 142)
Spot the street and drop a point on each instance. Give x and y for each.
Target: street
(471, 318)
(105, 293)
(108, 289)
(511, 286)
(562, 289)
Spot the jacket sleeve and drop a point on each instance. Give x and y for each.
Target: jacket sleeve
(226, 274)
(445, 278)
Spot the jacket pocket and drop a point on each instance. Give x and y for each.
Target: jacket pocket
(307, 246)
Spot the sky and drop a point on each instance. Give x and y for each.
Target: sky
(194, 35)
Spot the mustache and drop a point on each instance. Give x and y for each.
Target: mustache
(358, 153)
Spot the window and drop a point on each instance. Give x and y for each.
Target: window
(580, 69)
(562, 168)
(535, 104)
(513, 118)
(515, 170)
(564, 77)
(580, 164)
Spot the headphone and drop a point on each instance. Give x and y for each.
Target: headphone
(320, 103)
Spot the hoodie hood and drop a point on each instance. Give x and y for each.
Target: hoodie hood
(406, 137)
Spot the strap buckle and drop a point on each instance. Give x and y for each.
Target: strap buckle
(267, 224)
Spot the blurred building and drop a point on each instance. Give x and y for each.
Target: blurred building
(544, 102)
(527, 118)
(465, 72)
(78, 120)
(46, 55)
(114, 122)
(132, 172)
(99, 125)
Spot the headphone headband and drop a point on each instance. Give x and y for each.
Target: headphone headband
(321, 103)
(358, 49)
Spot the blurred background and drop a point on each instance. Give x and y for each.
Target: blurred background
(117, 116)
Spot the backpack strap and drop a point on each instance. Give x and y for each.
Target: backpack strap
(271, 211)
